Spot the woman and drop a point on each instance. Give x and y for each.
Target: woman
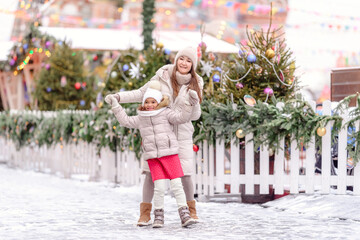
(175, 81)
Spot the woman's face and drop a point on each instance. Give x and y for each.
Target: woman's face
(150, 104)
(184, 65)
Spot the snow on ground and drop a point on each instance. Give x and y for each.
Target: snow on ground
(325, 206)
(40, 206)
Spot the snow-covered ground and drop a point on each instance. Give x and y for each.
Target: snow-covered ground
(40, 206)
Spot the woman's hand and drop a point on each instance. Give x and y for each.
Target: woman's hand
(193, 97)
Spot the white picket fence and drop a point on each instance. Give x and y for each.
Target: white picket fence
(218, 171)
(74, 161)
(294, 173)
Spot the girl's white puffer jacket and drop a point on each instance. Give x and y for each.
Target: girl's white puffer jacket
(158, 138)
(184, 131)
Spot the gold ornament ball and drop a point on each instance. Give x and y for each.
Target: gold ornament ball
(81, 124)
(130, 84)
(321, 131)
(271, 152)
(292, 67)
(101, 84)
(159, 45)
(269, 53)
(240, 133)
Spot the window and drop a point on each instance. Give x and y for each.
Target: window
(70, 9)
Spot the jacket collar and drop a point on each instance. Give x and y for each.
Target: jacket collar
(150, 113)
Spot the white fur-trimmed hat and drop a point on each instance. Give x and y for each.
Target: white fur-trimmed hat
(153, 91)
(189, 52)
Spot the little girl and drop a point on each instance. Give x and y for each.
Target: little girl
(159, 144)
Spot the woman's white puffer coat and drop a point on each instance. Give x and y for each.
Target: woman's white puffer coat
(184, 132)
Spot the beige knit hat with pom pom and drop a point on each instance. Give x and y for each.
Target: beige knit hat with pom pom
(153, 91)
(189, 52)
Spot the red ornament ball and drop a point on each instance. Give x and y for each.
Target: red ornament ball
(195, 148)
(77, 86)
(95, 57)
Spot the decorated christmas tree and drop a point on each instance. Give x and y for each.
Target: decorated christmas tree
(131, 70)
(63, 82)
(209, 69)
(34, 42)
(264, 68)
(120, 73)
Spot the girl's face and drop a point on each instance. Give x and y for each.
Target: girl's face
(184, 64)
(150, 104)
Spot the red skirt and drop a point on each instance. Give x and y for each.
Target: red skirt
(167, 167)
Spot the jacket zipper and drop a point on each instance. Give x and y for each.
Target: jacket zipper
(176, 131)
(157, 150)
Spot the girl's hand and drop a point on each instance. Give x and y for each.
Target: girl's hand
(109, 98)
(193, 97)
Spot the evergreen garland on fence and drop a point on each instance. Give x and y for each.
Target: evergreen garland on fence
(269, 124)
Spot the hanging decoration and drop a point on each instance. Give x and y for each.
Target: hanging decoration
(239, 133)
(239, 85)
(195, 148)
(251, 58)
(269, 53)
(77, 85)
(63, 81)
(268, 91)
(135, 71)
(249, 100)
(113, 74)
(350, 163)
(321, 131)
(125, 67)
(206, 68)
(216, 77)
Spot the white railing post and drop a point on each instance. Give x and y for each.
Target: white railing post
(342, 156)
(279, 163)
(206, 168)
(235, 166)
(326, 152)
(249, 164)
(195, 173)
(211, 170)
(198, 170)
(294, 168)
(310, 161)
(264, 170)
(356, 184)
(220, 152)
